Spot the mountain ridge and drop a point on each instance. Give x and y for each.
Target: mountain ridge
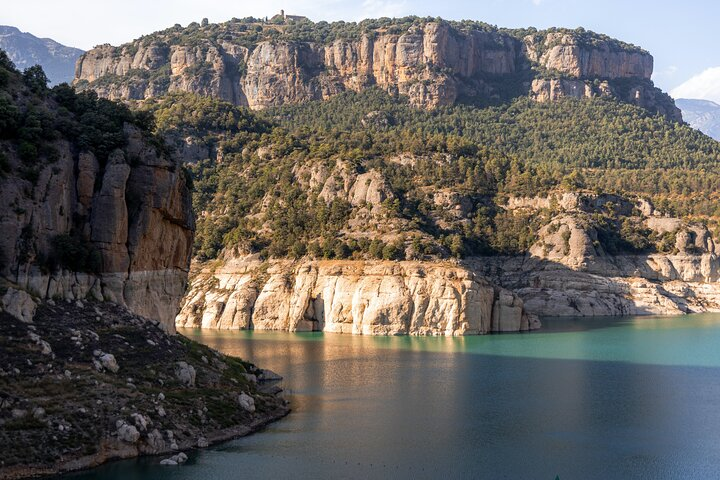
(26, 50)
(701, 114)
(431, 61)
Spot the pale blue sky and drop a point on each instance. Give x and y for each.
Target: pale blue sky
(681, 35)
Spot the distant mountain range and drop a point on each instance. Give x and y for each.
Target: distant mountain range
(701, 114)
(26, 50)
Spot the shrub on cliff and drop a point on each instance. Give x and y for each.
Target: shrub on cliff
(71, 252)
(35, 79)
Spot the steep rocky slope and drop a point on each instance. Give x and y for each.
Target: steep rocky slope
(433, 62)
(136, 221)
(97, 230)
(104, 215)
(26, 50)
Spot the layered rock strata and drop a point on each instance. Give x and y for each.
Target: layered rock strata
(568, 272)
(370, 298)
(626, 285)
(434, 64)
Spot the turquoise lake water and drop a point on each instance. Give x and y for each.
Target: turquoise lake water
(599, 398)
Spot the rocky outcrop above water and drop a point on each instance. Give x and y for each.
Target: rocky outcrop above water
(568, 271)
(575, 267)
(627, 285)
(357, 297)
(130, 220)
(434, 298)
(433, 64)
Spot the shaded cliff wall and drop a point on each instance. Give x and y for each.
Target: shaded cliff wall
(132, 217)
(568, 271)
(630, 285)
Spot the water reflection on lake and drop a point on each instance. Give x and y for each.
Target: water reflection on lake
(583, 398)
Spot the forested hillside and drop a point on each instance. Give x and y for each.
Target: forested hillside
(365, 175)
(382, 139)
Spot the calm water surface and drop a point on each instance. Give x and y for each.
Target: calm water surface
(581, 399)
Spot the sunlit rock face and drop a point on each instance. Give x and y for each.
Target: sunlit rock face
(356, 297)
(563, 52)
(566, 272)
(434, 64)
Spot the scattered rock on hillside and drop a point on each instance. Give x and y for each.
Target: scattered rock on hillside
(148, 409)
(19, 304)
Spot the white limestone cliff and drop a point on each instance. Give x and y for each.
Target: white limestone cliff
(357, 297)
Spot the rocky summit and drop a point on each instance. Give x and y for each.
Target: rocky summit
(433, 62)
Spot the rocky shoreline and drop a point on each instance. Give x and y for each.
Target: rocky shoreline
(347, 296)
(93, 461)
(574, 267)
(475, 296)
(96, 245)
(85, 383)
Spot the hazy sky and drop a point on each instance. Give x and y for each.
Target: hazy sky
(681, 35)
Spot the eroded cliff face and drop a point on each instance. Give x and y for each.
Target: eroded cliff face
(564, 53)
(583, 72)
(434, 64)
(568, 272)
(281, 72)
(357, 297)
(133, 213)
(628, 285)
